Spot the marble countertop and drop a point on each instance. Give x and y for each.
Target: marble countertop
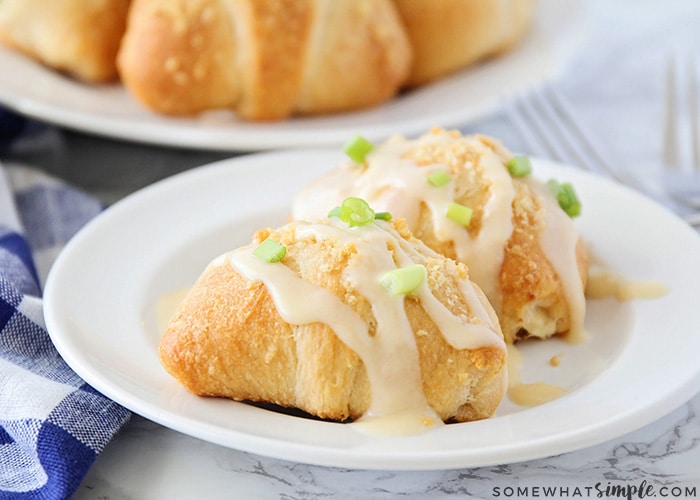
(615, 81)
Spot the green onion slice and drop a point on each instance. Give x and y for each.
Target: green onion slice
(356, 212)
(519, 166)
(566, 197)
(383, 216)
(357, 148)
(459, 213)
(270, 251)
(404, 279)
(439, 178)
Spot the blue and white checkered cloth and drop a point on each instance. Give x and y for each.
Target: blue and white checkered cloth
(52, 424)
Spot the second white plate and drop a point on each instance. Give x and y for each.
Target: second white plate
(640, 363)
(110, 111)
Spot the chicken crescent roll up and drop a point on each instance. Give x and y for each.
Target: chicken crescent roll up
(345, 321)
(458, 195)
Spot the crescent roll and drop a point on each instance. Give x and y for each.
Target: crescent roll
(449, 35)
(79, 37)
(265, 59)
(322, 330)
(520, 246)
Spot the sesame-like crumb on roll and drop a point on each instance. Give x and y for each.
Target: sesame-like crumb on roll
(344, 321)
(459, 196)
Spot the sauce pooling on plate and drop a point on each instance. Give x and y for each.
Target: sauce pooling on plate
(532, 393)
(603, 284)
(389, 354)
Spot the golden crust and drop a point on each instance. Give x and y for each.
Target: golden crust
(451, 34)
(272, 80)
(360, 57)
(79, 37)
(534, 302)
(228, 339)
(172, 57)
(533, 298)
(266, 59)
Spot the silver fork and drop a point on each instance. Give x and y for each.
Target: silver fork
(548, 125)
(681, 154)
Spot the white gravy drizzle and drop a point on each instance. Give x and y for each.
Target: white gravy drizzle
(485, 252)
(558, 240)
(398, 185)
(390, 356)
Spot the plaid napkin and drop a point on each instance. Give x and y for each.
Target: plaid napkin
(52, 424)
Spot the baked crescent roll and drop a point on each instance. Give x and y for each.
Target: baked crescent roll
(449, 35)
(265, 59)
(520, 246)
(79, 37)
(328, 329)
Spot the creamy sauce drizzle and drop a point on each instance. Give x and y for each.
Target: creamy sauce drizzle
(390, 356)
(531, 394)
(398, 185)
(558, 240)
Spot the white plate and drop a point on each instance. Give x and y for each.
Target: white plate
(640, 363)
(110, 111)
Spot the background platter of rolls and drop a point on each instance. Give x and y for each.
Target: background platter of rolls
(263, 59)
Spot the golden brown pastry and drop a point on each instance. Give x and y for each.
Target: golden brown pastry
(266, 59)
(79, 37)
(449, 35)
(323, 331)
(520, 246)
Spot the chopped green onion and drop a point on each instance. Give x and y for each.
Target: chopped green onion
(519, 166)
(566, 197)
(459, 213)
(270, 251)
(357, 148)
(574, 206)
(382, 216)
(404, 280)
(439, 178)
(356, 212)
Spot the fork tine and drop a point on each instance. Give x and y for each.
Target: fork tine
(694, 112)
(681, 148)
(561, 143)
(671, 136)
(548, 124)
(546, 114)
(582, 149)
(541, 128)
(522, 117)
(590, 148)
